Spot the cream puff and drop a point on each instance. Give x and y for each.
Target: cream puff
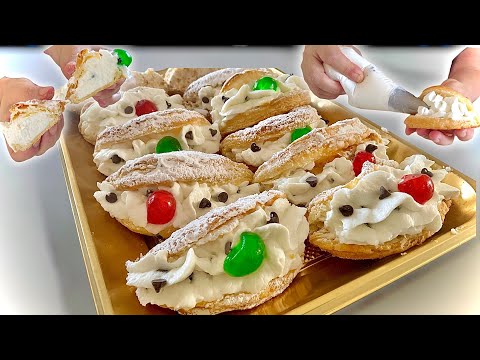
(160, 193)
(447, 110)
(160, 131)
(254, 95)
(233, 258)
(255, 145)
(322, 159)
(178, 79)
(133, 102)
(384, 211)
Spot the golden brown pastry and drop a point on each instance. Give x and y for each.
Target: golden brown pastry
(178, 79)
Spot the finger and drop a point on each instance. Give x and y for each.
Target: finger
(44, 93)
(464, 134)
(24, 155)
(333, 56)
(440, 138)
(423, 133)
(50, 137)
(409, 131)
(317, 80)
(69, 69)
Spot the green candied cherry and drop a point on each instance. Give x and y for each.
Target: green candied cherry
(298, 133)
(265, 83)
(246, 256)
(167, 144)
(124, 58)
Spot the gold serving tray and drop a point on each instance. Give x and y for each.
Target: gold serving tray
(325, 285)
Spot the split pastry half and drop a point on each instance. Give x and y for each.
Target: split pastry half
(254, 95)
(160, 193)
(233, 258)
(320, 160)
(133, 103)
(255, 145)
(161, 131)
(447, 110)
(29, 120)
(94, 72)
(378, 213)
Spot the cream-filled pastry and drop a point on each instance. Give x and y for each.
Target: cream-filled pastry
(148, 78)
(251, 96)
(233, 258)
(160, 193)
(178, 79)
(447, 110)
(322, 159)
(383, 211)
(133, 102)
(255, 145)
(96, 71)
(160, 131)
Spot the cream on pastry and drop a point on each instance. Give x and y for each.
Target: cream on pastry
(248, 97)
(159, 193)
(384, 211)
(235, 257)
(161, 131)
(133, 102)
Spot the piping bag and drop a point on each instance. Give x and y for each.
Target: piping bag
(376, 91)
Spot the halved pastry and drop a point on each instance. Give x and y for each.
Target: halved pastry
(255, 145)
(200, 93)
(134, 102)
(178, 79)
(322, 159)
(382, 212)
(160, 193)
(96, 71)
(161, 131)
(233, 258)
(447, 110)
(254, 95)
(148, 78)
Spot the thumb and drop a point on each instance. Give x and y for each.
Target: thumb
(336, 59)
(43, 92)
(457, 86)
(69, 69)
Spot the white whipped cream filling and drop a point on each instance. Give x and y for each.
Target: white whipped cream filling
(99, 72)
(95, 118)
(132, 205)
(24, 129)
(208, 92)
(445, 107)
(202, 141)
(284, 243)
(398, 214)
(244, 99)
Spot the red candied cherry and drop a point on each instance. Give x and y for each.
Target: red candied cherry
(161, 207)
(143, 107)
(419, 186)
(360, 158)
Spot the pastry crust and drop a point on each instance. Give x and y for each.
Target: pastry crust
(143, 127)
(430, 122)
(148, 78)
(269, 129)
(321, 237)
(320, 146)
(178, 79)
(22, 132)
(82, 57)
(179, 166)
(236, 81)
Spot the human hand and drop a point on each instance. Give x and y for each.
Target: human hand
(314, 56)
(65, 57)
(15, 90)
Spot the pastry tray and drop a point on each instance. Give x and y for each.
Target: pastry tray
(325, 284)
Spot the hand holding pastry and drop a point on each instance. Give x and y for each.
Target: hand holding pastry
(16, 90)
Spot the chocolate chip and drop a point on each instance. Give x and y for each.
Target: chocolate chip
(191, 277)
(119, 61)
(384, 193)
(223, 197)
(158, 284)
(312, 181)
(204, 203)
(224, 98)
(331, 180)
(189, 135)
(205, 100)
(213, 132)
(228, 247)
(111, 197)
(116, 159)
(273, 218)
(371, 148)
(254, 147)
(246, 98)
(346, 210)
(427, 172)
(238, 191)
(128, 110)
(168, 104)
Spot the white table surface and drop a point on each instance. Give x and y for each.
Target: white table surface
(41, 264)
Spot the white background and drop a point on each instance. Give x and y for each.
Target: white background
(41, 265)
